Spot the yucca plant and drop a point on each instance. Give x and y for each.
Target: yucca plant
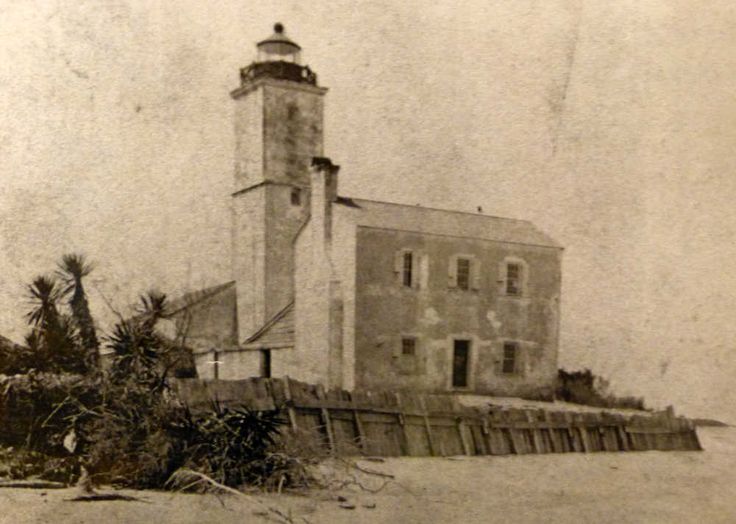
(73, 268)
(53, 341)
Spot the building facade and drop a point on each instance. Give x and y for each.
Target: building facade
(355, 293)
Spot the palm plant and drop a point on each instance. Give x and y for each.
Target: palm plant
(72, 269)
(44, 293)
(53, 339)
(139, 351)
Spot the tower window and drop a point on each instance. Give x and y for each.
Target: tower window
(463, 273)
(407, 275)
(510, 357)
(296, 196)
(408, 346)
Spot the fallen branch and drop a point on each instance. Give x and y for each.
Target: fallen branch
(185, 476)
(32, 484)
(104, 496)
(373, 472)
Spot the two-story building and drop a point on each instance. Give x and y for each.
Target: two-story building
(356, 293)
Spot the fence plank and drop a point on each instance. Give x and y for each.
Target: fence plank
(326, 420)
(427, 426)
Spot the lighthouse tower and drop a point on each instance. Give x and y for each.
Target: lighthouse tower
(278, 130)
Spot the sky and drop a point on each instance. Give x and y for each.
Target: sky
(611, 125)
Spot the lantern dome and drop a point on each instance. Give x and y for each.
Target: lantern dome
(278, 47)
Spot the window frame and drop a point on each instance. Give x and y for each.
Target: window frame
(467, 273)
(413, 344)
(416, 271)
(296, 196)
(473, 275)
(514, 281)
(407, 273)
(521, 279)
(409, 363)
(515, 360)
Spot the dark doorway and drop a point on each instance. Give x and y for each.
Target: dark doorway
(266, 363)
(460, 362)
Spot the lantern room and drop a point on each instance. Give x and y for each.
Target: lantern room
(278, 48)
(279, 58)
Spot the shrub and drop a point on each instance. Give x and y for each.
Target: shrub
(583, 387)
(233, 446)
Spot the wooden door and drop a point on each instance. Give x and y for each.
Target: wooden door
(460, 363)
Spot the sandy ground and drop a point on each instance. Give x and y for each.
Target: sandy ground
(646, 487)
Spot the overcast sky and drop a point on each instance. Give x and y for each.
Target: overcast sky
(611, 125)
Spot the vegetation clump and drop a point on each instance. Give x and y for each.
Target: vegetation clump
(583, 387)
(62, 412)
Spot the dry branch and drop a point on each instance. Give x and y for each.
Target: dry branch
(187, 478)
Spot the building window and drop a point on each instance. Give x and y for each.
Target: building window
(463, 273)
(407, 268)
(407, 357)
(408, 347)
(296, 196)
(407, 275)
(510, 358)
(513, 279)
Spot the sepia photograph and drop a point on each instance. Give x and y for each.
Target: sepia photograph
(367, 262)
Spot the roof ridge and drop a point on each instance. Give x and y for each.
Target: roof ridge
(510, 219)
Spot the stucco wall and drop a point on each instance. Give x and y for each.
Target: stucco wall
(241, 364)
(343, 252)
(292, 130)
(249, 259)
(436, 314)
(248, 139)
(283, 220)
(311, 307)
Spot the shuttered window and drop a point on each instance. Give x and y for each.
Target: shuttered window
(463, 273)
(513, 279)
(410, 268)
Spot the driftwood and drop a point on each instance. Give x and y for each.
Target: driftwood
(104, 496)
(88, 494)
(32, 484)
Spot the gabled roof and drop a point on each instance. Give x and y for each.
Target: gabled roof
(276, 333)
(387, 215)
(195, 297)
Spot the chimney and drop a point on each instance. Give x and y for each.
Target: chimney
(323, 185)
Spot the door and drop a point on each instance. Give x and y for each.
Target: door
(266, 363)
(460, 363)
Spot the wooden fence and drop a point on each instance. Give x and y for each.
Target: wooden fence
(393, 423)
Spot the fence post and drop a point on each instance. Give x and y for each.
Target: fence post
(290, 404)
(427, 426)
(404, 444)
